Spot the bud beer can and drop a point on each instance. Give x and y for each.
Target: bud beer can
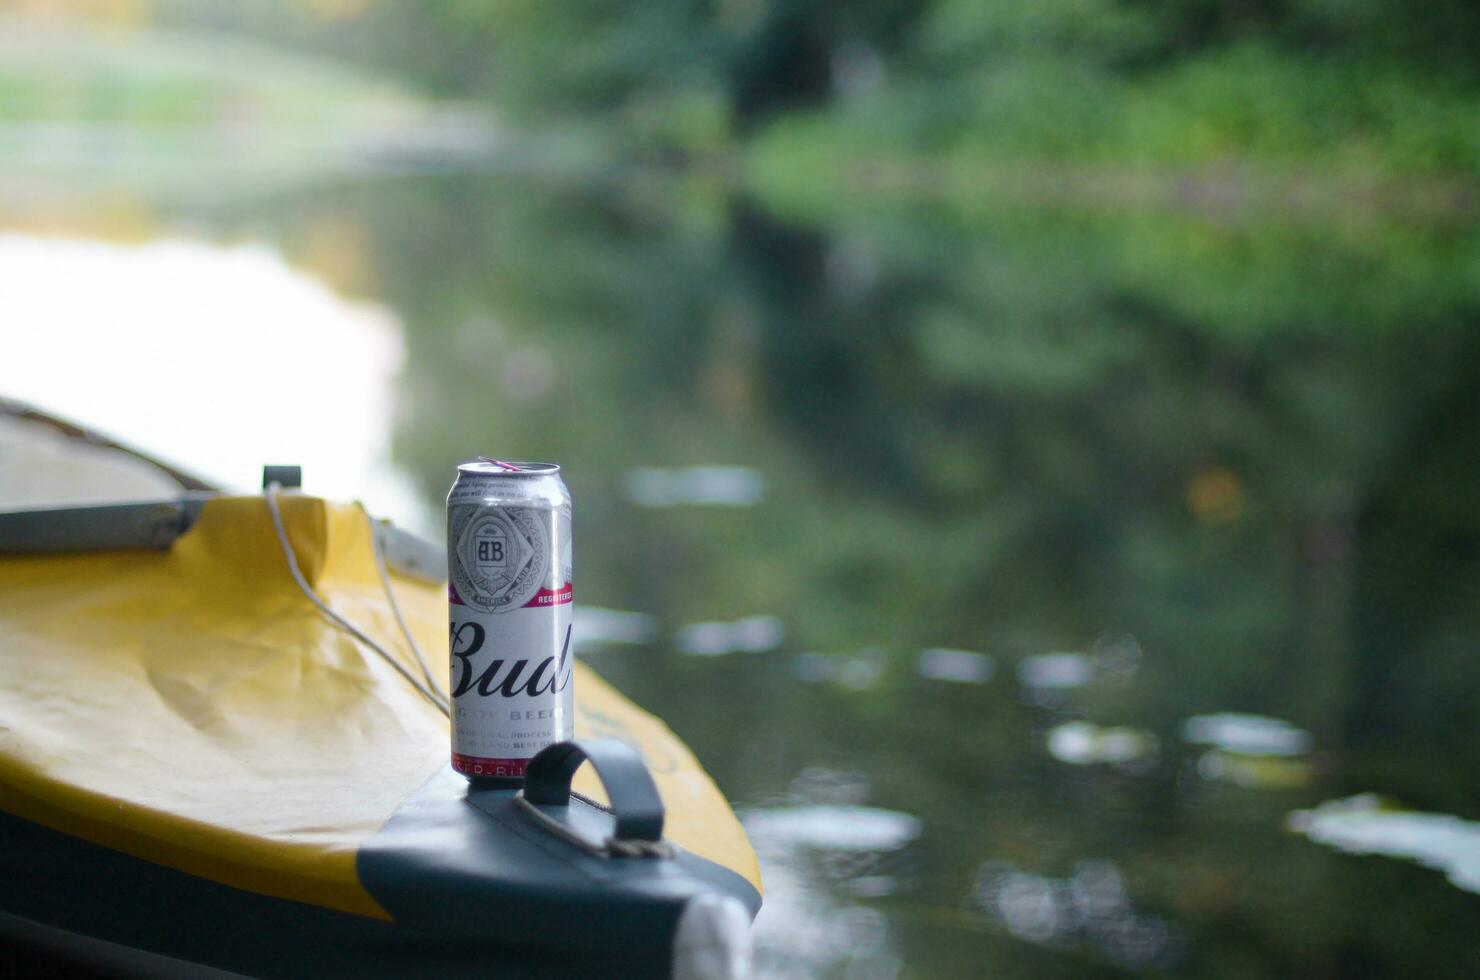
(510, 598)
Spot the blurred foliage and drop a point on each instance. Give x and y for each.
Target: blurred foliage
(1365, 87)
(61, 70)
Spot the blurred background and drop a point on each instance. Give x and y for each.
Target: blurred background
(1029, 451)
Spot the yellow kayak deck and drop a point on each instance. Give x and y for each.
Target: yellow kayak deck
(191, 707)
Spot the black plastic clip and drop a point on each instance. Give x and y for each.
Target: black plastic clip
(286, 477)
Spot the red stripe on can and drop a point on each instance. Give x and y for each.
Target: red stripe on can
(475, 765)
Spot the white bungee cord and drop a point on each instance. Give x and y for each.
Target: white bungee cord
(430, 690)
(390, 594)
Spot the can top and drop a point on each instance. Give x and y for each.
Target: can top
(488, 466)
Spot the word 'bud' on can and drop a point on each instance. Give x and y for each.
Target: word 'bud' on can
(510, 595)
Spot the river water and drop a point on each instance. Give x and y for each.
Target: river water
(1053, 594)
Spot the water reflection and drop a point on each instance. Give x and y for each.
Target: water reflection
(1046, 676)
(1364, 824)
(1255, 772)
(596, 628)
(958, 666)
(1251, 751)
(1081, 743)
(1247, 734)
(820, 835)
(1117, 656)
(855, 671)
(725, 486)
(1090, 908)
(834, 827)
(753, 634)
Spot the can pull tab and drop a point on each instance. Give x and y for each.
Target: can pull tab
(502, 465)
(634, 825)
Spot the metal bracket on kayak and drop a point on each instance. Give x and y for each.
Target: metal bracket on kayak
(632, 827)
(154, 526)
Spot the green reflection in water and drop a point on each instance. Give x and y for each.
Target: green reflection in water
(1248, 447)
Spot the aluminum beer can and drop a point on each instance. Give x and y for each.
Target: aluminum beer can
(510, 598)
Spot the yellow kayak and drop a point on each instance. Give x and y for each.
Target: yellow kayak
(236, 781)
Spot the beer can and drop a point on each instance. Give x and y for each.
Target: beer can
(510, 598)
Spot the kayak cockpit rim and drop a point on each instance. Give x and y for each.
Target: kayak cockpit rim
(154, 526)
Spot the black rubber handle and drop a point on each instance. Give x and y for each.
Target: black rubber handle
(634, 797)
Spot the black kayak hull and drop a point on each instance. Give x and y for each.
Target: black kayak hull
(472, 887)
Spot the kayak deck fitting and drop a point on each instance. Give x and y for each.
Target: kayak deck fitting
(195, 763)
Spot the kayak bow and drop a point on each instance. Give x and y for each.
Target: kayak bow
(195, 763)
